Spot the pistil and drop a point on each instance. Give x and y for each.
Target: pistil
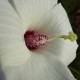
(71, 36)
(34, 40)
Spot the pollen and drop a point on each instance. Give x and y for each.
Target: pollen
(34, 40)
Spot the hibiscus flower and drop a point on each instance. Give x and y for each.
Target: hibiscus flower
(34, 40)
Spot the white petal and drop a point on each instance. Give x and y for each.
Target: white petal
(58, 24)
(12, 47)
(43, 66)
(64, 50)
(55, 22)
(32, 11)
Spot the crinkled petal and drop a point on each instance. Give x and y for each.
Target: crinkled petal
(32, 11)
(12, 46)
(54, 24)
(44, 66)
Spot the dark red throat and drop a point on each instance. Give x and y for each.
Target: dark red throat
(34, 40)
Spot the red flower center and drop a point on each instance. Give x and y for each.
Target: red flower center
(34, 40)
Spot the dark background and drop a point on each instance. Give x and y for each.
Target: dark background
(73, 10)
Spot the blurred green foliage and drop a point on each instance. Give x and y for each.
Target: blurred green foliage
(70, 6)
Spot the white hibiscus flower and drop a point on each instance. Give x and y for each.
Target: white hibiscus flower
(26, 52)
